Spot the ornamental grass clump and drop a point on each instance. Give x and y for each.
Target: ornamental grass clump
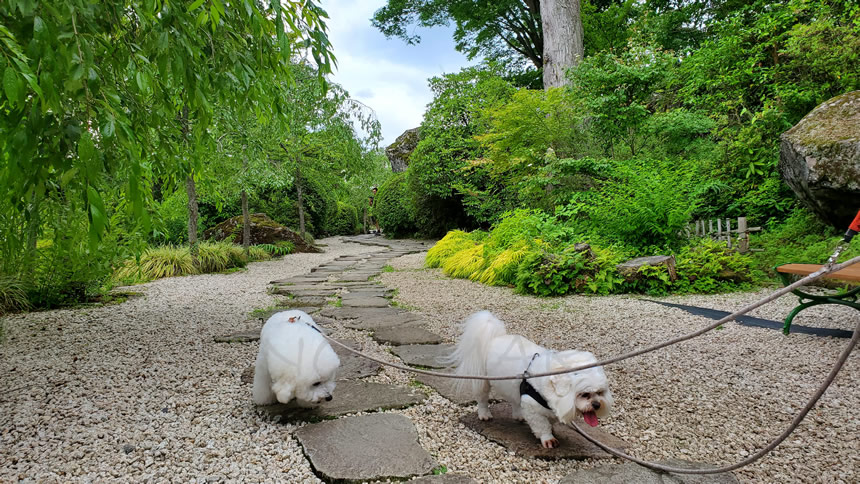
(13, 296)
(502, 269)
(454, 242)
(465, 263)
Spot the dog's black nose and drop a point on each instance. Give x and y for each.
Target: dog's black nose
(328, 398)
(595, 404)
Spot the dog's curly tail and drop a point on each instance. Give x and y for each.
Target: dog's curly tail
(470, 354)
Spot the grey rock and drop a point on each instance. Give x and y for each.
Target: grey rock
(398, 153)
(631, 472)
(365, 302)
(445, 479)
(240, 337)
(517, 437)
(385, 321)
(349, 396)
(819, 158)
(406, 335)
(365, 448)
(429, 356)
(630, 269)
(358, 313)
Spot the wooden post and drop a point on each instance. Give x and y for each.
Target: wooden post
(719, 229)
(729, 232)
(710, 228)
(743, 236)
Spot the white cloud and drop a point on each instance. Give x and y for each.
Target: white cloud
(387, 75)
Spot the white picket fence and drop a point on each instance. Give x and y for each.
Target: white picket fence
(721, 229)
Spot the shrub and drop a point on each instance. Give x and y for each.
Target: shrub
(392, 207)
(257, 253)
(466, 263)
(709, 266)
(345, 221)
(13, 295)
(277, 249)
(453, 242)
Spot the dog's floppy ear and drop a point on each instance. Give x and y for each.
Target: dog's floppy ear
(560, 384)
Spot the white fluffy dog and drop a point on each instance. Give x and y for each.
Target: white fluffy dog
(485, 348)
(294, 362)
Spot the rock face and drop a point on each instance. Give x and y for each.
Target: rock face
(398, 152)
(263, 231)
(819, 158)
(630, 269)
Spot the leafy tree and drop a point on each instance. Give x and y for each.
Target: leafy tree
(99, 94)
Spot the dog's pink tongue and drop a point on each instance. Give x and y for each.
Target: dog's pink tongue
(590, 418)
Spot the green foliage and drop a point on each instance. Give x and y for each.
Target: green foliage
(277, 249)
(173, 261)
(13, 295)
(453, 242)
(392, 207)
(258, 254)
(710, 267)
(619, 92)
(801, 238)
(345, 221)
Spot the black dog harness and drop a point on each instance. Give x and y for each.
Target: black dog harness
(527, 388)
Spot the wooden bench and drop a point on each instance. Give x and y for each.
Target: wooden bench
(845, 298)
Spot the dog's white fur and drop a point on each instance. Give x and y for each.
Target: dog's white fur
(485, 348)
(294, 362)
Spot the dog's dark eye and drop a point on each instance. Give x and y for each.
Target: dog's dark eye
(586, 396)
(317, 383)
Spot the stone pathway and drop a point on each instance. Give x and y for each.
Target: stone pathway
(384, 446)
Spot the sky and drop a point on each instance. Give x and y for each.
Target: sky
(387, 74)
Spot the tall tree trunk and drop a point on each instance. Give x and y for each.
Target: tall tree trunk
(562, 39)
(246, 215)
(192, 219)
(191, 190)
(28, 270)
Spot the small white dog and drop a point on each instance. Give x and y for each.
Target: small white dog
(485, 348)
(294, 362)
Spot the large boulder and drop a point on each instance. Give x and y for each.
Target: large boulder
(819, 158)
(263, 231)
(398, 153)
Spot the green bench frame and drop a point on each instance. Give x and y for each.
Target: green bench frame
(844, 297)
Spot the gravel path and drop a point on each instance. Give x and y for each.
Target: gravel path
(139, 391)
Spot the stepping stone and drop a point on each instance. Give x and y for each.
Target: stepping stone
(319, 292)
(240, 337)
(365, 448)
(359, 284)
(377, 291)
(406, 335)
(349, 396)
(356, 277)
(353, 366)
(365, 302)
(632, 472)
(359, 313)
(385, 322)
(445, 479)
(518, 437)
(315, 302)
(447, 388)
(428, 356)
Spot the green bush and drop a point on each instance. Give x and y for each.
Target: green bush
(172, 261)
(277, 249)
(392, 207)
(709, 267)
(345, 221)
(13, 295)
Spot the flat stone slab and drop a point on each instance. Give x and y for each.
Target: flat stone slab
(429, 356)
(350, 396)
(631, 472)
(378, 291)
(518, 437)
(240, 337)
(290, 291)
(359, 313)
(445, 479)
(447, 388)
(406, 335)
(297, 302)
(365, 448)
(365, 302)
(382, 322)
(353, 366)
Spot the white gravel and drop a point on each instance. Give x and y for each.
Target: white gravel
(139, 391)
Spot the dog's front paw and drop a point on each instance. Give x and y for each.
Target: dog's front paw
(549, 443)
(484, 415)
